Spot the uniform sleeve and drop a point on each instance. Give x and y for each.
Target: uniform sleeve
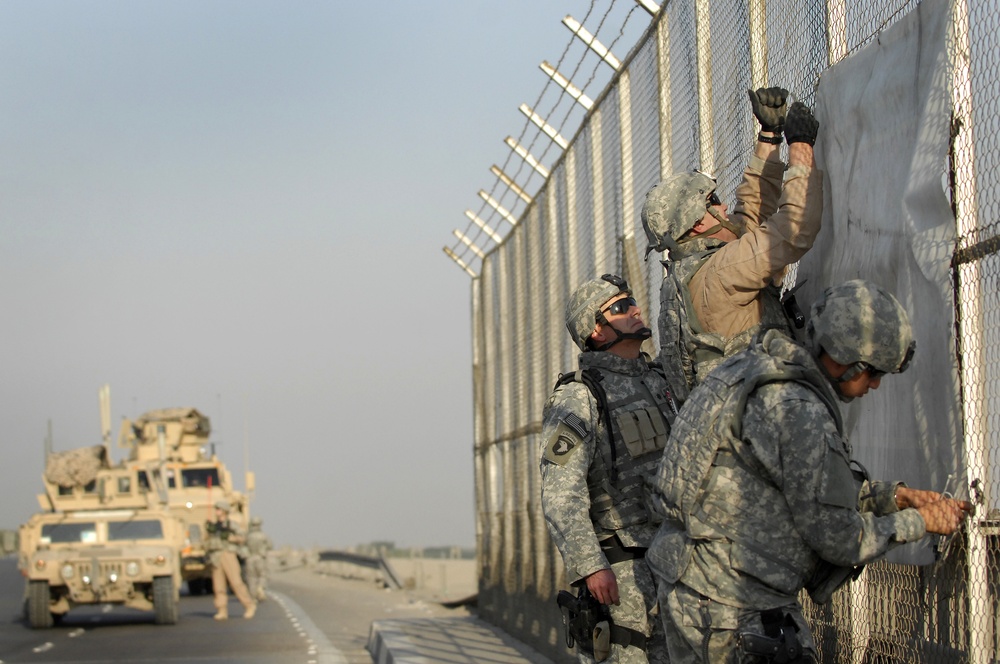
(757, 195)
(879, 497)
(810, 462)
(727, 285)
(567, 451)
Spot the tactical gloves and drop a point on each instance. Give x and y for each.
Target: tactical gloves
(769, 108)
(800, 125)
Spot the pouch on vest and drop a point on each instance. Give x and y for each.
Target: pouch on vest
(643, 431)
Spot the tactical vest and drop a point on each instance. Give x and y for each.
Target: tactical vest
(695, 351)
(629, 440)
(709, 450)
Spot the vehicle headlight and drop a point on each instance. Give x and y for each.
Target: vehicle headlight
(160, 560)
(40, 564)
(113, 577)
(132, 568)
(67, 571)
(86, 579)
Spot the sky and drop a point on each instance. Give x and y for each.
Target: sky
(239, 206)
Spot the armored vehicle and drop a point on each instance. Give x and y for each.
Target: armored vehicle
(169, 451)
(117, 556)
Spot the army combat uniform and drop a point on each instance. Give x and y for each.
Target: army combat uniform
(712, 302)
(258, 544)
(760, 499)
(593, 491)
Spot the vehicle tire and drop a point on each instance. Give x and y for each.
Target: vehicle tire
(39, 615)
(164, 600)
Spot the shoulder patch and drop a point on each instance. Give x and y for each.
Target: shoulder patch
(564, 441)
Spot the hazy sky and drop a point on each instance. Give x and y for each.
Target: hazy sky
(240, 206)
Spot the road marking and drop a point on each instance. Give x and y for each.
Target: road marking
(325, 652)
(75, 633)
(45, 646)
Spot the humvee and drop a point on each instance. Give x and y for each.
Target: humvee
(116, 556)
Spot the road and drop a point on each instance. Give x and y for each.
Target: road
(308, 618)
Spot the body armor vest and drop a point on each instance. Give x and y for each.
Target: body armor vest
(696, 351)
(708, 448)
(635, 413)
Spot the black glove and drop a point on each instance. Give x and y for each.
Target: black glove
(769, 107)
(800, 125)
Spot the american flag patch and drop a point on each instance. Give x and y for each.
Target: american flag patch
(578, 426)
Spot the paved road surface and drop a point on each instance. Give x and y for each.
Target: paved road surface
(309, 618)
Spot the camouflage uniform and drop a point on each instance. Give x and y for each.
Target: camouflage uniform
(222, 545)
(760, 498)
(258, 544)
(592, 503)
(715, 295)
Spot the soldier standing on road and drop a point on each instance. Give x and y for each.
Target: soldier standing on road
(760, 495)
(723, 279)
(223, 542)
(602, 432)
(258, 544)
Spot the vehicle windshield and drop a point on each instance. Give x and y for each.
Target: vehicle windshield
(129, 530)
(200, 477)
(63, 533)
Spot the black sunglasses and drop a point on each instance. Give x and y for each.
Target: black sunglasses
(621, 306)
(873, 373)
(713, 199)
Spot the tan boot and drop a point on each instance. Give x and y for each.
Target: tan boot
(251, 610)
(222, 614)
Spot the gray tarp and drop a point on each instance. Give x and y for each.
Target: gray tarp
(885, 120)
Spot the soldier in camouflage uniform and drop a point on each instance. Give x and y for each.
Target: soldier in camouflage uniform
(723, 279)
(224, 541)
(760, 497)
(595, 459)
(258, 544)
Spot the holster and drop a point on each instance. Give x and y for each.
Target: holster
(779, 644)
(588, 625)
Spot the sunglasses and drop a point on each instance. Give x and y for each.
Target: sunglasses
(713, 199)
(621, 306)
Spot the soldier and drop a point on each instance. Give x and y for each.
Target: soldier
(602, 432)
(760, 495)
(258, 544)
(223, 542)
(722, 281)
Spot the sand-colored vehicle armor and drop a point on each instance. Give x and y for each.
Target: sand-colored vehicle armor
(170, 453)
(105, 556)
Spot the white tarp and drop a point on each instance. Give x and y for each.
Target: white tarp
(884, 130)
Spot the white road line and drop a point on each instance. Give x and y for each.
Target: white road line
(325, 652)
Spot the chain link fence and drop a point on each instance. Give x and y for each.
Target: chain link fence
(676, 103)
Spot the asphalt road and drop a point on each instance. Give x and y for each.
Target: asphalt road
(308, 619)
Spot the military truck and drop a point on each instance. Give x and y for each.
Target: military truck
(169, 451)
(116, 556)
(171, 466)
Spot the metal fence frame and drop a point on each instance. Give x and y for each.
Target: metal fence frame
(662, 112)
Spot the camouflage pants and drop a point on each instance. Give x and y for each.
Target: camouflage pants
(256, 570)
(701, 631)
(637, 611)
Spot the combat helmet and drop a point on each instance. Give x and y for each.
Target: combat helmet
(583, 310)
(860, 325)
(673, 207)
(256, 522)
(223, 505)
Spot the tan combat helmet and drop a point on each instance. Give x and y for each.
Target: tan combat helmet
(861, 325)
(583, 310)
(673, 207)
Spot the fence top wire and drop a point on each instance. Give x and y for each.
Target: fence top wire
(613, 24)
